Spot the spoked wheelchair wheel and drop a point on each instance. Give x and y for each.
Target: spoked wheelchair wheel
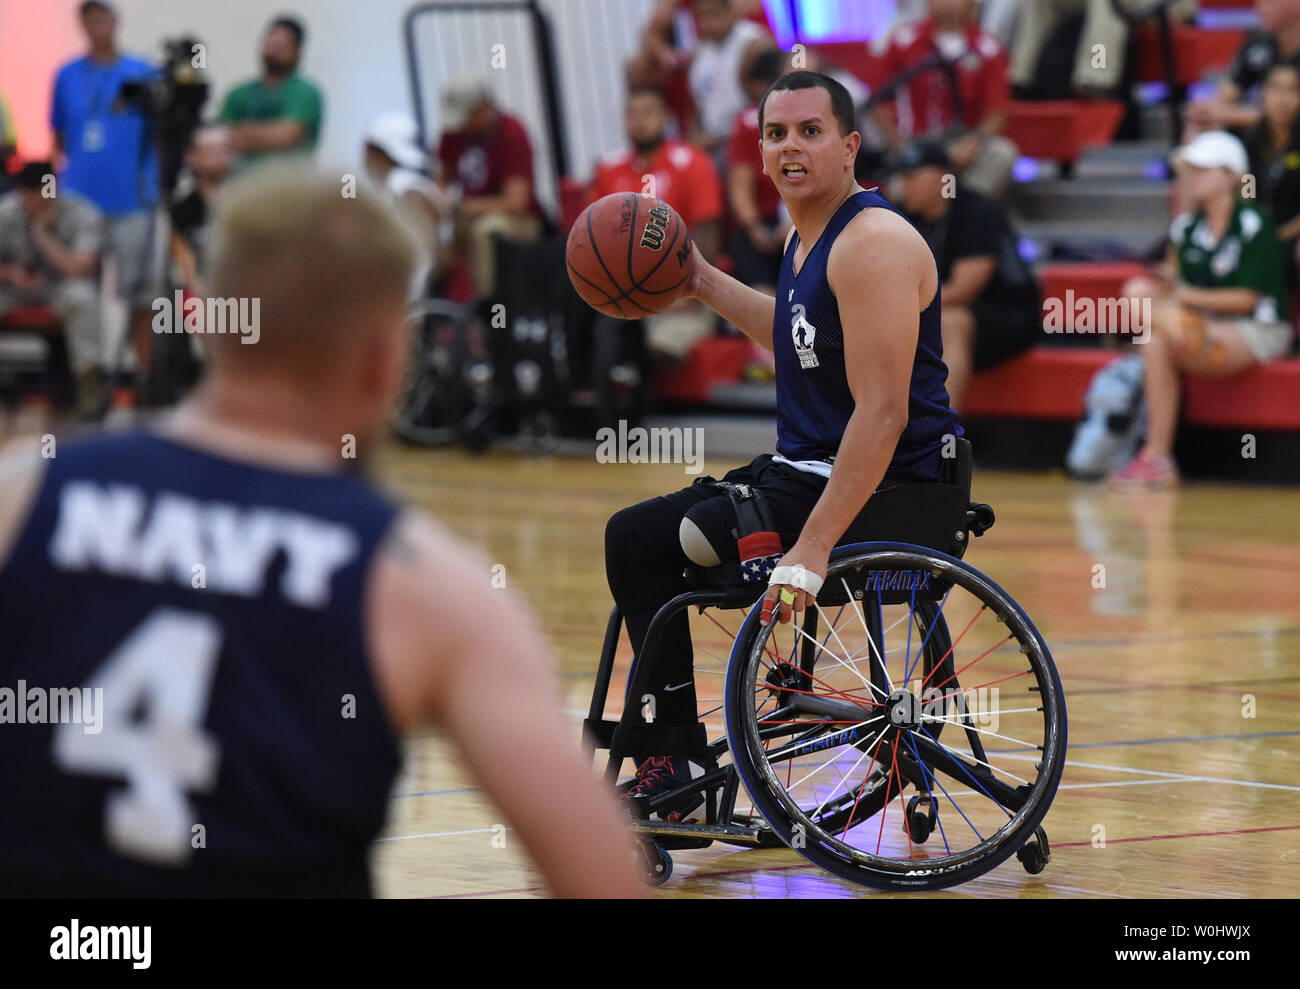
(911, 733)
(447, 396)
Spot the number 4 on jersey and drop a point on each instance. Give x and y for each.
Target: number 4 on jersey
(156, 686)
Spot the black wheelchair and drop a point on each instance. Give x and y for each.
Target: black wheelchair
(908, 734)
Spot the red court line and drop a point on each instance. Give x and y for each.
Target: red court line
(810, 865)
(1189, 834)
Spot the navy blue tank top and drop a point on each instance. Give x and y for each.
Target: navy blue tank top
(812, 389)
(186, 700)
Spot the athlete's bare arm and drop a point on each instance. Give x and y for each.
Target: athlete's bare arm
(748, 310)
(452, 649)
(882, 275)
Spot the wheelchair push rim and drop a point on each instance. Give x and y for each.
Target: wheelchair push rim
(924, 705)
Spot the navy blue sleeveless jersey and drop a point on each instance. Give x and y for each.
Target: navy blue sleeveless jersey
(186, 699)
(813, 398)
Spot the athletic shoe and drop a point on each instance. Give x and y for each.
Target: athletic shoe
(661, 774)
(1147, 472)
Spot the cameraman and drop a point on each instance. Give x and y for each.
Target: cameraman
(109, 158)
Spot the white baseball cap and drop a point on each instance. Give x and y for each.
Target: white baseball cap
(1214, 149)
(395, 134)
(460, 98)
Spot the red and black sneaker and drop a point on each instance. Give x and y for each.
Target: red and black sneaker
(662, 774)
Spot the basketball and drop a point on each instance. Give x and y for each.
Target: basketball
(629, 255)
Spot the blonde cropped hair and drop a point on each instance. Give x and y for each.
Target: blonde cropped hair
(321, 251)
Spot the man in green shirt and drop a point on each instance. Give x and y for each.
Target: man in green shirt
(1225, 309)
(281, 111)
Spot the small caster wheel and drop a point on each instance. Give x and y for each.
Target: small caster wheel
(1035, 855)
(919, 824)
(1031, 857)
(656, 864)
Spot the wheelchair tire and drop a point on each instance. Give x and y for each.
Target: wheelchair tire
(856, 842)
(448, 393)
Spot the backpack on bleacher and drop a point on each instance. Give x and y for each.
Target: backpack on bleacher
(1114, 420)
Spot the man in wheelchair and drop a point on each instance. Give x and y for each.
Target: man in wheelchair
(862, 411)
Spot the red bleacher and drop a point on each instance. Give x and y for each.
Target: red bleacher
(1049, 383)
(1197, 52)
(31, 319)
(1061, 130)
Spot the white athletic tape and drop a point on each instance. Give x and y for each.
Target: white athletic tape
(797, 576)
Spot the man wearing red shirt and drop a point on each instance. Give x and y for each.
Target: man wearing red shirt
(679, 174)
(485, 154)
(759, 240)
(682, 176)
(924, 106)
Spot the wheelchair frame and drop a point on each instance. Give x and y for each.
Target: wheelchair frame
(719, 588)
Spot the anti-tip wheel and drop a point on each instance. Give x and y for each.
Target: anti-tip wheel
(656, 864)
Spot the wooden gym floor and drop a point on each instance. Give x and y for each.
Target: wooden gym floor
(1182, 679)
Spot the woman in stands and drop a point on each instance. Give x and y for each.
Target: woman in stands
(1274, 148)
(1226, 308)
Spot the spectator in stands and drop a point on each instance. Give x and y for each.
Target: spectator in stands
(669, 44)
(1274, 147)
(924, 106)
(49, 252)
(728, 43)
(485, 157)
(1001, 18)
(109, 157)
(1225, 308)
(761, 222)
(398, 165)
(280, 112)
(991, 305)
(1101, 52)
(1233, 107)
(209, 159)
(8, 142)
(684, 177)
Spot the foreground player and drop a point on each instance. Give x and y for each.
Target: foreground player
(264, 626)
(861, 403)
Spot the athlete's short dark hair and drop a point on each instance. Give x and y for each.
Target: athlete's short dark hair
(841, 101)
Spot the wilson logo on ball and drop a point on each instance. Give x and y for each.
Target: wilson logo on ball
(655, 228)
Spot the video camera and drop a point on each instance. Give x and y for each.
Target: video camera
(173, 104)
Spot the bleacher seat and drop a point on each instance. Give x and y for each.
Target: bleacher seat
(1087, 280)
(1198, 52)
(1061, 130)
(1049, 383)
(716, 360)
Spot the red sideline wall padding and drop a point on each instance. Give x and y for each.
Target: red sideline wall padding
(1049, 383)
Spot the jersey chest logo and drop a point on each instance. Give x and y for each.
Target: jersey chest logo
(804, 335)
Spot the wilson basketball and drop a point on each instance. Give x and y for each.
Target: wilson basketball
(629, 255)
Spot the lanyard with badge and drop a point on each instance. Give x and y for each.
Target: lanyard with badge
(92, 133)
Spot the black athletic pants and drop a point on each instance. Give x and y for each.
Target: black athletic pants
(644, 561)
